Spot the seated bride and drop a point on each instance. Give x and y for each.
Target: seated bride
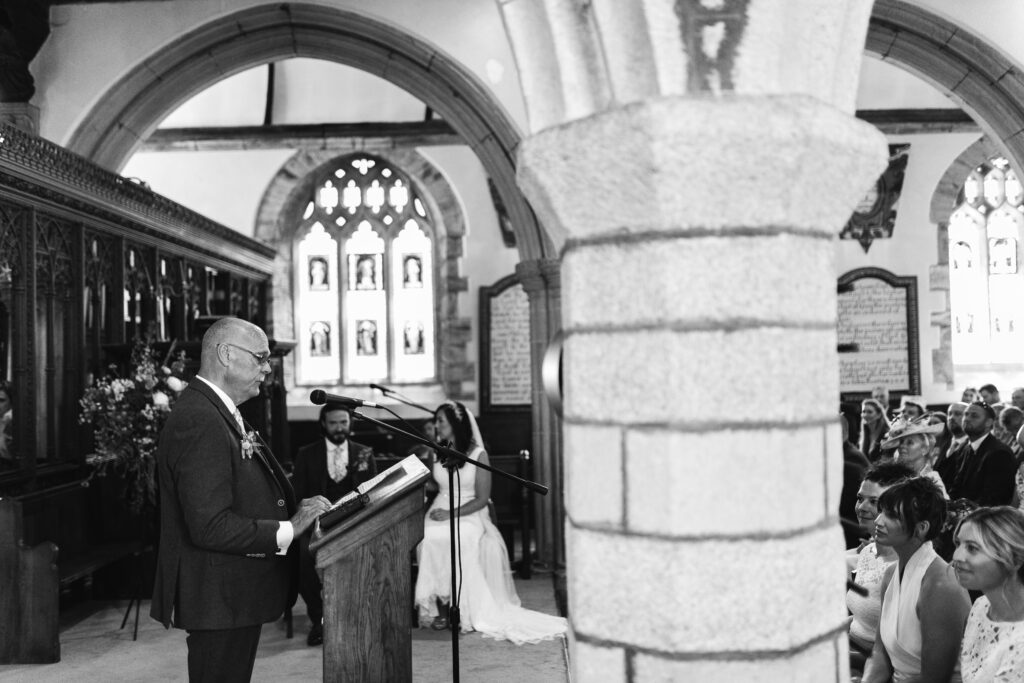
(486, 596)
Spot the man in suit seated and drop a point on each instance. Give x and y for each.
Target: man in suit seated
(328, 467)
(227, 512)
(982, 470)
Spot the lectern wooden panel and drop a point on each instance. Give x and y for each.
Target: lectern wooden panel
(367, 581)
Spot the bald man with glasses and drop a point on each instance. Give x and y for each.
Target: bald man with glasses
(227, 512)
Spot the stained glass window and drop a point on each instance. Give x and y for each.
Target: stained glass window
(985, 281)
(364, 278)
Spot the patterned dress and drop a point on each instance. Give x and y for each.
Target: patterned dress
(992, 651)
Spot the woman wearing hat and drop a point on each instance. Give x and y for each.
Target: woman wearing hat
(913, 441)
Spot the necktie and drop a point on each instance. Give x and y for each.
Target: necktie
(238, 419)
(337, 466)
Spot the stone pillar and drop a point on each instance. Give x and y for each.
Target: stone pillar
(541, 281)
(702, 453)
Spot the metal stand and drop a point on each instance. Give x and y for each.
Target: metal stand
(450, 460)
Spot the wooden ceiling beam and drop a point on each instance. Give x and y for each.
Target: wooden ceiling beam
(339, 136)
(911, 121)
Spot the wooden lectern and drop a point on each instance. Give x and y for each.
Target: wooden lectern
(365, 567)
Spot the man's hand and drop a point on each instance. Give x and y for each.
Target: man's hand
(309, 510)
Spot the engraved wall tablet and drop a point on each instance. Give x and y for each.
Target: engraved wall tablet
(505, 344)
(877, 328)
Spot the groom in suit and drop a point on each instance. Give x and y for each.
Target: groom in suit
(227, 512)
(328, 467)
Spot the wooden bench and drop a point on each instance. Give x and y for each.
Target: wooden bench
(45, 547)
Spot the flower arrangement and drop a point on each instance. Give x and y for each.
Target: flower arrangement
(127, 414)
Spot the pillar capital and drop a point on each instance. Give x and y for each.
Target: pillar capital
(691, 165)
(539, 275)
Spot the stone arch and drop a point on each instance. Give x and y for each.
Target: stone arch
(977, 76)
(131, 109)
(291, 187)
(982, 80)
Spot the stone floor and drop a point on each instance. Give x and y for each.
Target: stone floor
(93, 648)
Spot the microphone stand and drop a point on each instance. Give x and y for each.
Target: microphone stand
(450, 461)
(391, 393)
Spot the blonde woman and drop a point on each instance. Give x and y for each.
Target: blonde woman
(989, 558)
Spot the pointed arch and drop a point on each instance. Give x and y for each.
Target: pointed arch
(133, 107)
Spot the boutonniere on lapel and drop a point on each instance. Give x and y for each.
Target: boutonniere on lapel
(364, 460)
(249, 444)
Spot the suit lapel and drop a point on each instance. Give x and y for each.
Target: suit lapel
(275, 471)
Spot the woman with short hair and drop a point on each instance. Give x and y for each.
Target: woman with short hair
(923, 607)
(989, 557)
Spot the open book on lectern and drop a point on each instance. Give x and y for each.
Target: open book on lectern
(373, 490)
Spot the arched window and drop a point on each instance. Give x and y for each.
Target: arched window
(364, 278)
(985, 282)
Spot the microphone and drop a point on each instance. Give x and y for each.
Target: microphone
(320, 397)
(383, 390)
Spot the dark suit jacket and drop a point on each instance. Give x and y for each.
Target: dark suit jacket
(217, 566)
(310, 477)
(985, 477)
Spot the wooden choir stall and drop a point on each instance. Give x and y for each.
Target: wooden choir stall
(362, 549)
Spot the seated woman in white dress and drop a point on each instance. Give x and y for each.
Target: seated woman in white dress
(485, 594)
(869, 563)
(913, 441)
(989, 557)
(924, 609)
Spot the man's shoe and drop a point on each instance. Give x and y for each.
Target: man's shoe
(316, 636)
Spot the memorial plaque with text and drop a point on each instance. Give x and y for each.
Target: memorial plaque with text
(877, 332)
(505, 370)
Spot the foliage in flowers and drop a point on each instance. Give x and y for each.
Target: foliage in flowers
(127, 414)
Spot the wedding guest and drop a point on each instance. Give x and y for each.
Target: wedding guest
(330, 467)
(923, 607)
(488, 602)
(1017, 500)
(989, 558)
(869, 562)
(227, 511)
(989, 394)
(1011, 420)
(945, 460)
(1017, 397)
(854, 467)
(970, 395)
(881, 394)
(913, 441)
(911, 407)
(873, 426)
(983, 469)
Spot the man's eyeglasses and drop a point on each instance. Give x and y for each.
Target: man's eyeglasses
(261, 358)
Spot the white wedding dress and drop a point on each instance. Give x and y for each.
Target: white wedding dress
(488, 602)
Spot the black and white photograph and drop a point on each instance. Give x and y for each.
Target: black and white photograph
(732, 289)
